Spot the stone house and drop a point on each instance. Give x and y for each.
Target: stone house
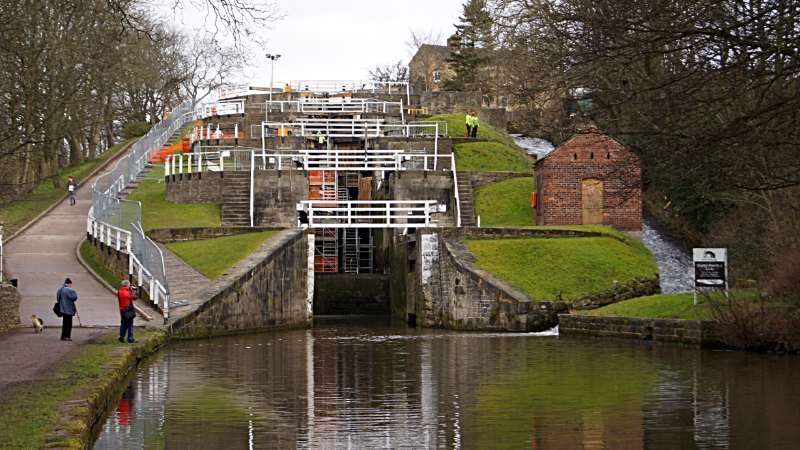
(590, 180)
(429, 66)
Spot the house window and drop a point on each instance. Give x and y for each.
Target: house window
(437, 76)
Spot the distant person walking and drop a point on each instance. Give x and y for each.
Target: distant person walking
(71, 185)
(67, 297)
(474, 124)
(126, 296)
(469, 123)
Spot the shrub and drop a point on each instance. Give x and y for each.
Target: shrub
(135, 129)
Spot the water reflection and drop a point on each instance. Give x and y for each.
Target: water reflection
(378, 384)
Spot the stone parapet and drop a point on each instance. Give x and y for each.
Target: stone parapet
(698, 333)
(116, 262)
(9, 308)
(513, 233)
(203, 187)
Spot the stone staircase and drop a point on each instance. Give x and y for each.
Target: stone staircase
(236, 199)
(466, 199)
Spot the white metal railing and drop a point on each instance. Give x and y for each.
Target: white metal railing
(373, 86)
(344, 105)
(111, 219)
(360, 128)
(231, 159)
(369, 213)
(221, 108)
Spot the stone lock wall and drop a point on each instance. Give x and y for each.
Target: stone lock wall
(496, 117)
(268, 289)
(443, 147)
(456, 294)
(590, 154)
(276, 195)
(9, 308)
(351, 294)
(204, 187)
(422, 185)
(170, 235)
(687, 332)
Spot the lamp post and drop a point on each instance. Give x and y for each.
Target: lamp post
(272, 76)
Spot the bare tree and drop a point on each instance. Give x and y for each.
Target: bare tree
(397, 71)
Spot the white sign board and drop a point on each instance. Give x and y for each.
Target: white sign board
(710, 267)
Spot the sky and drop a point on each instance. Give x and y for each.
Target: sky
(342, 40)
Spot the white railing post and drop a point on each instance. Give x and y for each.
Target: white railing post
(252, 175)
(180, 164)
(153, 291)
(455, 183)
(119, 245)
(199, 162)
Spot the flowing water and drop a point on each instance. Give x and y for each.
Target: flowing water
(534, 146)
(673, 256)
(373, 383)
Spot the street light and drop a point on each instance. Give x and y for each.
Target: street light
(272, 76)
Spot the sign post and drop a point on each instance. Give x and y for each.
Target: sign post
(710, 269)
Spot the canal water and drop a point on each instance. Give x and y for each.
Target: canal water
(375, 383)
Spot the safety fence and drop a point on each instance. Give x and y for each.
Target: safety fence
(114, 221)
(324, 87)
(360, 128)
(369, 213)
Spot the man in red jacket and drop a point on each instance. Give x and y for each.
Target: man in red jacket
(126, 297)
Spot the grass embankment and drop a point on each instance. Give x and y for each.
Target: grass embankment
(157, 212)
(29, 411)
(214, 257)
(506, 204)
(500, 154)
(17, 214)
(576, 267)
(678, 306)
(89, 259)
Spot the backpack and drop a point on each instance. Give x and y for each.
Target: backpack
(57, 310)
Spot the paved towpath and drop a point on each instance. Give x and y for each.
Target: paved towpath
(43, 255)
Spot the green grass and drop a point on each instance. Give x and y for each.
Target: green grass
(30, 410)
(505, 204)
(17, 214)
(576, 266)
(491, 157)
(214, 257)
(673, 306)
(456, 128)
(157, 212)
(89, 259)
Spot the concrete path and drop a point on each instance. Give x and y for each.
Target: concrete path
(42, 256)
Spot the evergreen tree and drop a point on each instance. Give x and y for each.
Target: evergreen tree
(474, 44)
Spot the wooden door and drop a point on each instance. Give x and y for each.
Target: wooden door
(592, 201)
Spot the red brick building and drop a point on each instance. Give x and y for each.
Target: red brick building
(590, 180)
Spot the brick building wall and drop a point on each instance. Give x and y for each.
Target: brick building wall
(590, 155)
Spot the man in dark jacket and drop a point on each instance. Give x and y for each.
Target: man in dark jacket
(126, 296)
(66, 297)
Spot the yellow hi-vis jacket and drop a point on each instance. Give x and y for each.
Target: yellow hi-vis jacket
(321, 138)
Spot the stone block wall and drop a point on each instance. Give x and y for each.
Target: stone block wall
(447, 102)
(9, 308)
(419, 185)
(351, 294)
(276, 195)
(170, 235)
(456, 294)
(496, 117)
(204, 187)
(590, 155)
(673, 331)
(483, 178)
(268, 289)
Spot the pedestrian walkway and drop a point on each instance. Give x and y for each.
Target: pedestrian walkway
(43, 255)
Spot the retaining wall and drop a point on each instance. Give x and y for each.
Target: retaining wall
(351, 294)
(170, 235)
(268, 289)
(116, 262)
(9, 308)
(483, 178)
(449, 102)
(203, 187)
(421, 185)
(698, 333)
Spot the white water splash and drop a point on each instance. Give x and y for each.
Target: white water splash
(534, 146)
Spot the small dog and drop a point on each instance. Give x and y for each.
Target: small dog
(38, 324)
